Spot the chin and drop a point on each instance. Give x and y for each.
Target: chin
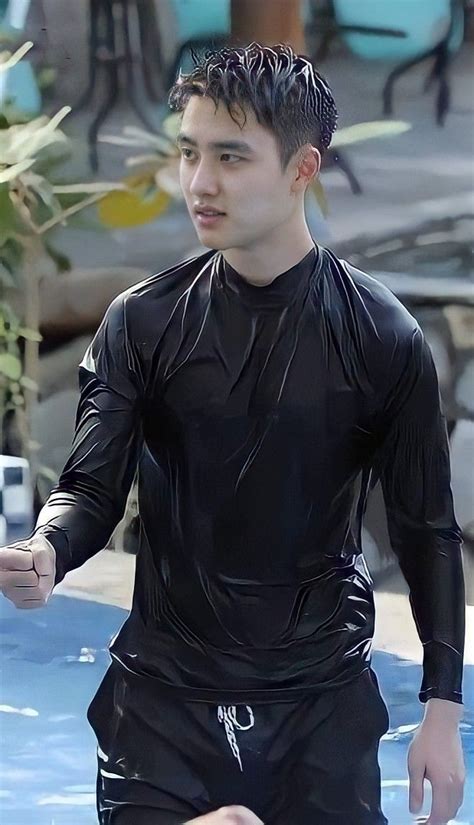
(211, 240)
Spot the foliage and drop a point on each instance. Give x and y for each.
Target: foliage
(12, 381)
(155, 184)
(31, 204)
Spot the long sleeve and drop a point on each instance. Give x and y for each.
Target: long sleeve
(90, 497)
(415, 476)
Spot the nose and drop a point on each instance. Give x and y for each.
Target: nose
(204, 181)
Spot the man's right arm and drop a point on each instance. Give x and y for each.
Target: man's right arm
(90, 497)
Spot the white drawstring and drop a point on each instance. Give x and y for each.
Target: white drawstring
(228, 715)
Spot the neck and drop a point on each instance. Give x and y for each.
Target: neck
(269, 257)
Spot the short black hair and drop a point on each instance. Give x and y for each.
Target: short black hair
(286, 93)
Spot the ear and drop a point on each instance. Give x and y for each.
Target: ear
(308, 166)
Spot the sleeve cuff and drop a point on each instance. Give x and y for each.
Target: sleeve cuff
(438, 693)
(59, 540)
(442, 672)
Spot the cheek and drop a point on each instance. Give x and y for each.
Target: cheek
(270, 185)
(257, 195)
(265, 205)
(184, 178)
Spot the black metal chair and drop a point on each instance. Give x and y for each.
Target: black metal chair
(324, 23)
(441, 53)
(110, 48)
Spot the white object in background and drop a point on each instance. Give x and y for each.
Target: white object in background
(17, 493)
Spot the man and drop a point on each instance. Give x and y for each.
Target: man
(257, 387)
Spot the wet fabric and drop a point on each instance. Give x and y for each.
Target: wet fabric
(259, 417)
(134, 815)
(311, 762)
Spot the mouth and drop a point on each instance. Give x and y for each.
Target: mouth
(208, 217)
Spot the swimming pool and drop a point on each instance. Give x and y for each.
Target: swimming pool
(53, 660)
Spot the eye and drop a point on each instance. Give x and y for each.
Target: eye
(184, 155)
(234, 157)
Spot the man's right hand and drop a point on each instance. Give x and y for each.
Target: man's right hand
(229, 815)
(27, 572)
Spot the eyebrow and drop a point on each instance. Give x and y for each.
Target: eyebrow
(228, 145)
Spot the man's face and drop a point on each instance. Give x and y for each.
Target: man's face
(236, 171)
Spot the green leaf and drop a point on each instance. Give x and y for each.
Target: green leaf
(8, 60)
(28, 384)
(136, 136)
(5, 277)
(12, 172)
(360, 132)
(88, 188)
(11, 337)
(7, 314)
(7, 210)
(10, 366)
(11, 255)
(317, 189)
(46, 77)
(43, 188)
(23, 141)
(29, 334)
(68, 199)
(48, 161)
(11, 222)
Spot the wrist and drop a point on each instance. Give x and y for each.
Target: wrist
(443, 711)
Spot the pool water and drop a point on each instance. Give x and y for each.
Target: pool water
(53, 661)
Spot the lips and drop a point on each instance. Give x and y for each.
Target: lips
(207, 211)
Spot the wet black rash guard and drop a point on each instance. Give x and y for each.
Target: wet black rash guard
(258, 418)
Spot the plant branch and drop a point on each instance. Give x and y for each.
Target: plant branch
(45, 227)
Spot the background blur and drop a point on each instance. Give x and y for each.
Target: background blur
(90, 204)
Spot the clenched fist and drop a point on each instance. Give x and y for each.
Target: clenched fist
(229, 815)
(27, 572)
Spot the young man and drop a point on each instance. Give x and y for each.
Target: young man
(257, 387)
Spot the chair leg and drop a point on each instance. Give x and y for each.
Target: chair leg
(441, 71)
(444, 100)
(84, 100)
(387, 93)
(107, 105)
(150, 39)
(323, 49)
(431, 76)
(112, 90)
(335, 157)
(130, 80)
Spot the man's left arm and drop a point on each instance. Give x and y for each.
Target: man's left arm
(416, 482)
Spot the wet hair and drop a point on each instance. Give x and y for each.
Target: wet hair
(286, 93)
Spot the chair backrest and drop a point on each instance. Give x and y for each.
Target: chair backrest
(13, 14)
(17, 85)
(196, 18)
(424, 21)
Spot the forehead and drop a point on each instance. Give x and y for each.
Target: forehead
(201, 120)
